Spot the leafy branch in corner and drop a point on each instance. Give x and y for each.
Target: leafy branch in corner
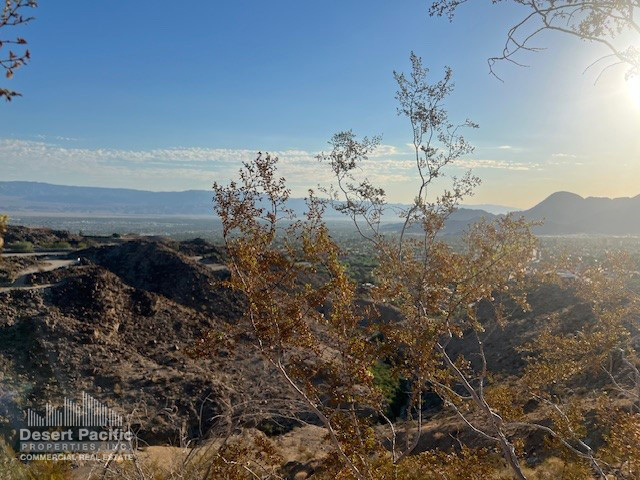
(13, 51)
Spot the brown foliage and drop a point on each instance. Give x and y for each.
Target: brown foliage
(327, 360)
(16, 56)
(289, 270)
(3, 230)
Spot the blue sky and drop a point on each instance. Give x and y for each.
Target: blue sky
(153, 95)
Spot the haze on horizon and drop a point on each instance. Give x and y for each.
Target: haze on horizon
(160, 101)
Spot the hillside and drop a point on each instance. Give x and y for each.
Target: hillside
(456, 224)
(568, 213)
(122, 324)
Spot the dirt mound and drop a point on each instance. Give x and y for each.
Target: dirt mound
(126, 347)
(94, 333)
(157, 268)
(40, 236)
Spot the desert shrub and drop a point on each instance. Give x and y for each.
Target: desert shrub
(435, 289)
(3, 229)
(442, 295)
(384, 379)
(12, 469)
(57, 246)
(391, 387)
(20, 247)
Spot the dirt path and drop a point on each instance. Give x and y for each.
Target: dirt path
(21, 280)
(56, 253)
(49, 263)
(216, 267)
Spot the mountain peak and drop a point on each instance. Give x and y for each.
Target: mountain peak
(563, 196)
(567, 213)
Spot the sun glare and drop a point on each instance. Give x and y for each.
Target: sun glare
(633, 85)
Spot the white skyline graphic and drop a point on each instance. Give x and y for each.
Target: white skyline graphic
(89, 413)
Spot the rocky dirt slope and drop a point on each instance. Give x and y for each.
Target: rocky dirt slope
(157, 268)
(120, 326)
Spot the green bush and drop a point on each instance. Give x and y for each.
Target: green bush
(57, 246)
(390, 386)
(20, 247)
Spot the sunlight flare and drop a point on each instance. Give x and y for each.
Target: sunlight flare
(633, 86)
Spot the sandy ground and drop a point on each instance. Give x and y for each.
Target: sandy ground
(300, 445)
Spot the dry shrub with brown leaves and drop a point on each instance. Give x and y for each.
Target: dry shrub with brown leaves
(301, 314)
(3, 229)
(16, 56)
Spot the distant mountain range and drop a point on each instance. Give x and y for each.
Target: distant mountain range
(36, 197)
(562, 212)
(46, 199)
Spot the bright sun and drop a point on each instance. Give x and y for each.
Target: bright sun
(633, 84)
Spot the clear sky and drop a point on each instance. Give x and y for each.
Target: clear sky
(165, 95)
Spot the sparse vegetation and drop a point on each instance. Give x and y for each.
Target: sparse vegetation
(20, 247)
(3, 229)
(12, 469)
(56, 246)
(418, 276)
(391, 387)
